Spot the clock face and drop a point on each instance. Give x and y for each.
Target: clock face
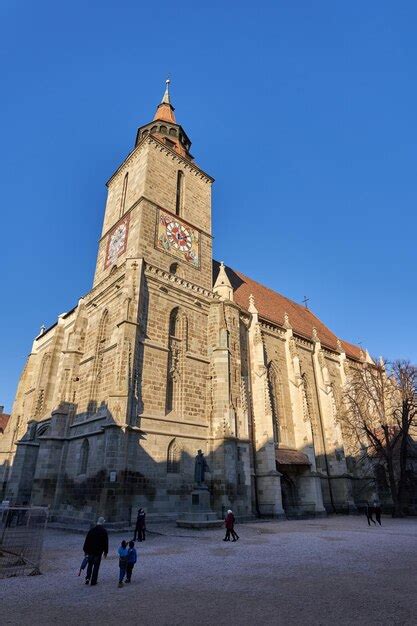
(117, 241)
(178, 239)
(178, 236)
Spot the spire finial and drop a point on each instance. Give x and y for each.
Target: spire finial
(166, 99)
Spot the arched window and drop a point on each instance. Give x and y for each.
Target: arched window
(128, 308)
(180, 192)
(173, 322)
(102, 337)
(308, 410)
(305, 398)
(335, 401)
(103, 328)
(85, 449)
(173, 268)
(177, 346)
(123, 197)
(173, 458)
(43, 379)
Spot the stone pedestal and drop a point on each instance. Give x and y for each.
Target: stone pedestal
(199, 514)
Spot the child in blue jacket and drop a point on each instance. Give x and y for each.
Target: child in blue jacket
(122, 552)
(132, 557)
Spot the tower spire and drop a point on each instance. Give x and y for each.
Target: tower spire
(166, 98)
(165, 110)
(164, 127)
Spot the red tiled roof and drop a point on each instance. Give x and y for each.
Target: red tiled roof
(165, 113)
(285, 456)
(272, 306)
(4, 418)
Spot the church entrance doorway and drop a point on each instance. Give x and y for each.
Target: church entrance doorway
(289, 495)
(291, 464)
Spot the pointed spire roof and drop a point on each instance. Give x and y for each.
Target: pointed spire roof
(165, 129)
(165, 110)
(166, 98)
(222, 285)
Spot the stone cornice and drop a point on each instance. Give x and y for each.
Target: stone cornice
(330, 354)
(184, 162)
(176, 281)
(271, 329)
(151, 140)
(303, 343)
(95, 418)
(168, 420)
(168, 433)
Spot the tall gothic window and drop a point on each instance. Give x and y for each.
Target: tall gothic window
(42, 384)
(102, 337)
(180, 193)
(177, 345)
(308, 408)
(173, 361)
(275, 393)
(104, 322)
(85, 450)
(173, 458)
(305, 398)
(123, 197)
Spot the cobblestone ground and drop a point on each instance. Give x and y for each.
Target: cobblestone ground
(328, 571)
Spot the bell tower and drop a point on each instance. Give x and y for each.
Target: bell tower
(159, 204)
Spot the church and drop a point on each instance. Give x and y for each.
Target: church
(172, 352)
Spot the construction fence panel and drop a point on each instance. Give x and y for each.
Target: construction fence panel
(22, 532)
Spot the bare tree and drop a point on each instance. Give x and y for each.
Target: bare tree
(404, 376)
(379, 413)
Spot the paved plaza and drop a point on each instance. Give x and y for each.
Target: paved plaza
(326, 571)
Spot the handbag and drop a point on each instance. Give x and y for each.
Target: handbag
(83, 565)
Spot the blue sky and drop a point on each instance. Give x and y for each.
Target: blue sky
(304, 113)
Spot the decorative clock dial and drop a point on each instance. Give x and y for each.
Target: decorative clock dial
(117, 241)
(179, 236)
(178, 239)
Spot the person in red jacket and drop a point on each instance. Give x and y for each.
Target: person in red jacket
(229, 522)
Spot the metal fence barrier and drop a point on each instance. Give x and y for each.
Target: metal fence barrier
(21, 540)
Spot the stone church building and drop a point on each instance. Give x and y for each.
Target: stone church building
(171, 352)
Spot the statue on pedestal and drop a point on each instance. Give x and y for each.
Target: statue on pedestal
(200, 468)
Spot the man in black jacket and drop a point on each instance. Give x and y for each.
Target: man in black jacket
(140, 527)
(96, 545)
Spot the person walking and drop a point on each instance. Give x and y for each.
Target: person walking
(140, 527)
(377, 511)
(132, 557)
(229, 522)
(369, 511)
(96, 545)
(232, 530)
(123, 553)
